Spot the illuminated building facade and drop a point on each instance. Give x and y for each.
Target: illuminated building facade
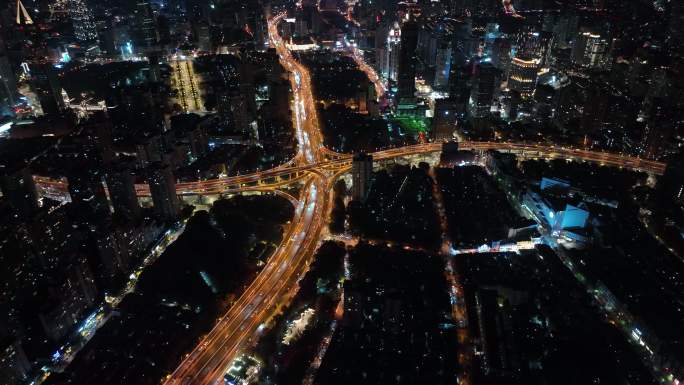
(389, 57)
(362, 172)
(591, 51)
(83, 21)
(523, 75)
(444, 120)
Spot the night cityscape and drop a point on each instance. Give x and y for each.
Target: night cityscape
(352, 192)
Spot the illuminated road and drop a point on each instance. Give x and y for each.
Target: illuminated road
(370, 72)
(183, 77)
(316, 168)
(309, 160)
(276, 284)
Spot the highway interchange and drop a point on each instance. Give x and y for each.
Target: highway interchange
(316, 169)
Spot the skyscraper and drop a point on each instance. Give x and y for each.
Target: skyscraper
(388, 53)
(483, 90)
(664, 120)
(121, 187)
(233, 107)
(362, 171)
(163, 189)
(444, 120)
(459, 85)
(45, 84)
(8, 81)
(14, 366)
(442, 66)
(523, 75)
(246, 83)
(19, 189)
(146, 31)
(87, 192)
(407, 60)
(83, 21)
(591, 51)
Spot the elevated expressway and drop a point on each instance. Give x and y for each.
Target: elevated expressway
(277, 282)
(298, 170)
(316, 169)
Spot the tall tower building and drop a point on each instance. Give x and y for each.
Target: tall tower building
(8, 81)
(233, 107)
(661, 126)
(87, 191)
(483, 90)
(362, 172)
(45, 84)
(459, 84)
(19, 190)
(246, 83)
(121, 187)
(407, 60)
(147, 34)
(14, 366)
(442, 66)
(163, 189)
(444, 120)
(523, 75)
(591, 51)
(23, 17)
(391, 62)
(85, 29)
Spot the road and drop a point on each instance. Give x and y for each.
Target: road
(186, 81)
(276, 284)
(312, 156)
(316, 168)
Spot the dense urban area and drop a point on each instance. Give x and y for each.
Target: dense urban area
(323, 192)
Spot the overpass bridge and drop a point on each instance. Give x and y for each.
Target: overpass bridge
(295, 171)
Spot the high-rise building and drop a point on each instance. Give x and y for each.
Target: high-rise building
(362, 172)
(233, 107)
(523, 75)
(676, 27)
(149, 150)
(407, 60)
(14, 366)
(444, 120)
(664, 120)
(85, 29)
(388, 54)
(71, 294)
(671, 185)
(442, 66)
(483, 89)
(591, 51)
(121, 187)
(8, 80)
(246, 83)
(199, 140)
(45, 84)
(19, 190)
(147, 34)
(459, 85)
(163, 189)
(203, 32)
(22, 16)
(87, 192)
(279, 97)
(98, 131)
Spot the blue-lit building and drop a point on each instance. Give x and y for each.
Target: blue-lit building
(553, 206)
